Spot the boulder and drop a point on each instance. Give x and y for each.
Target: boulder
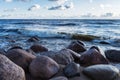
(43, 67)
(92, 57)
(72, 70)
(113, 55)
(63, 56)
(20, 57)
(77, 46)
(9, 70)
(59, 78)
(38, 48)
(102, 72)
(33, 39)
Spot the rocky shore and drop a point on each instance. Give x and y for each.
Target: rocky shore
(75, 62)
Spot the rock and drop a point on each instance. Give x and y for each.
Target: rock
(29, 77)
(2, 51)
(77, 46)
(72, 70)
(92, 56)
(38, 48)
(20, 57)
(59, 78)
(31, 51)
(9, 70)
(15, 47)
(75, 55)
(43, 67)
(60, 72)
(33, 39)
(113, 55)
(63, 56)
(102, 72)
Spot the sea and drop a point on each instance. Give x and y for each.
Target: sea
(56, 34)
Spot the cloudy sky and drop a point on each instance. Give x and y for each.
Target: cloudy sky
(49, 9)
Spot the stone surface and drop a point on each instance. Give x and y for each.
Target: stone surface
(102, 72)
(9, 70)
(92, 57)
(38, 48)
(20, 57)
(77, 46)
(59, 78)
(72, 70)
(43, 67)
(113, 55)
(63, 56)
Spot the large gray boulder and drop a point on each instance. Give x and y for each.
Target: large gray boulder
(102, 72)
(9, 70)
(20, 57)
(43, 67)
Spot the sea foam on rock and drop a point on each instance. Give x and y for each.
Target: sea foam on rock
(43, 67)
(102, 72)
(9, 70)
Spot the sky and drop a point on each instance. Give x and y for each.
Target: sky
(59, 9)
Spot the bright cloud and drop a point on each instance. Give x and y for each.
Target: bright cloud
(34, 7)
(103, 6)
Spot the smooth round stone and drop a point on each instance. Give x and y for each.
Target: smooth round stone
(102, 72)
(113, 55)
(43, 67)
(72, 70)
(9, 70)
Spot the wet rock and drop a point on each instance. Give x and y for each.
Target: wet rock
(9, 70)
(33, 39)
(113, 55)
(20, 57)
(59, 78)
(15, 47)
(92, 56)
(102, 72)
(31, 51)
(2, 51)
(43, 67)
(60, 72)
(38, 48)
(77, 46)
(63, 56)
(72, 70)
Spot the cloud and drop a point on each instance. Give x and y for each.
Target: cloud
(10, 10)
(71, 5)
(34, 7)
(88, 15)
(59, 2)
(17, 0)
(103, 6)
(8, 0)
(107, 15)
(62, 7)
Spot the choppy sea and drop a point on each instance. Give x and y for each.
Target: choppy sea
(56, 34)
